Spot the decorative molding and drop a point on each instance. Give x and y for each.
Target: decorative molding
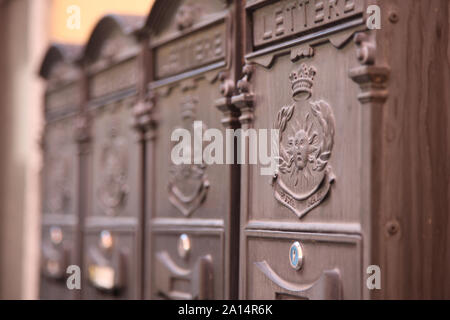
(82, 133)
(302, 52)
(186, 16)
(243, 101)
(304, 47)
(366, 49)
(371, 78)
(225, 104)
(186, 83)
(227, 85)
(143, 120)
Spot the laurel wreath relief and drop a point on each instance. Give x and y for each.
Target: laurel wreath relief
(321, 150)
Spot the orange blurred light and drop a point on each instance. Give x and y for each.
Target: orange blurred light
(90, 13)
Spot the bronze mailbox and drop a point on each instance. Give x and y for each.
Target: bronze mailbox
(297, 88)
(111, 260)
(60, 223)
(190, 207)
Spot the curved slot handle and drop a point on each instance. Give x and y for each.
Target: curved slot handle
(200, 278)
(327, 287)
(106, 273)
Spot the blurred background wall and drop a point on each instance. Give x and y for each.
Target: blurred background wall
(26, 29)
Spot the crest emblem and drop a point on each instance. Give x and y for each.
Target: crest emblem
(59, 186)
(113, 188)
(306, 139)
(188, 183)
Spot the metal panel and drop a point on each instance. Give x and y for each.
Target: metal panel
(60, 172)
(194, 199)
(296, 87)
(111, 176)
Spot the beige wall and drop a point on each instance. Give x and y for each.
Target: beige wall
(26, 29)
(24, 38)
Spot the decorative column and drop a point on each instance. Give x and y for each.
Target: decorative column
(372, 79)
(224, 104)
(244, 100)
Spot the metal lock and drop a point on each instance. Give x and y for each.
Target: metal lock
(56, 235)
(296, 255)
(184, 246)
(106, 240)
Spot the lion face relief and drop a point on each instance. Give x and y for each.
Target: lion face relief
(300, 148)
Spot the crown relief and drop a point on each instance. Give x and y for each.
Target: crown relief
(302, 81)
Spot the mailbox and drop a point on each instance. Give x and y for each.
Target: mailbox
(194, 203)
(60, 173)
(113, 159)
(301, 88)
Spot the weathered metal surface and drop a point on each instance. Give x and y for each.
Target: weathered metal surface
(361, 160)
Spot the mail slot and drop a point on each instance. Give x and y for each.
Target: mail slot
(58, 252)
(108, 261)
(331, 266)
(188, 265)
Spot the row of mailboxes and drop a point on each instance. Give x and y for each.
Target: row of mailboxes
(141, 226)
